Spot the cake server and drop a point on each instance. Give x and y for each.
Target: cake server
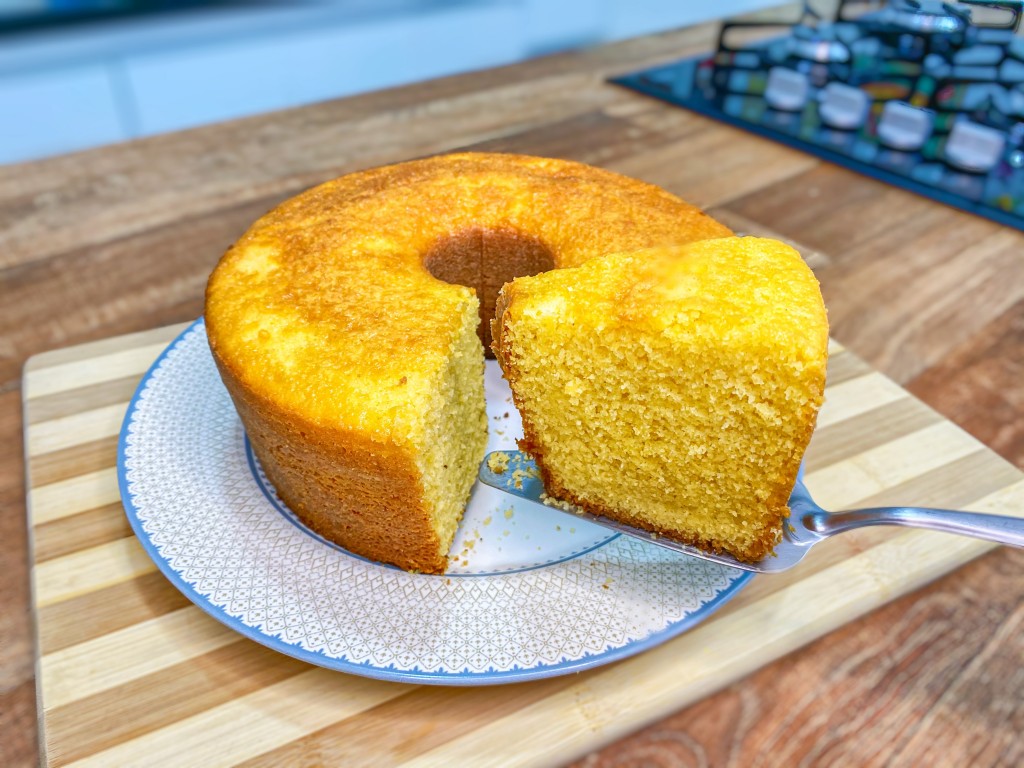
(807, 524)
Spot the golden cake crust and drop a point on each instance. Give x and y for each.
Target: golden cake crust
(332, 316)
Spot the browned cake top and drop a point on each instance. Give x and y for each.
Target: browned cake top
(335, 305)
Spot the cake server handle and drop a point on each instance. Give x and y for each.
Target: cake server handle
(1002, 530)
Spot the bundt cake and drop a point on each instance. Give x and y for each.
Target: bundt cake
(344, 324)
(674, 389)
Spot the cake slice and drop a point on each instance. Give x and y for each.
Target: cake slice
(674, 389)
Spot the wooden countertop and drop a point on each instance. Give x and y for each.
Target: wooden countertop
(122, 238)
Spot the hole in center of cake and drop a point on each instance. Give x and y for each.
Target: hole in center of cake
(486, 259)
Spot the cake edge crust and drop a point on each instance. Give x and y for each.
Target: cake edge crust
(395, 529)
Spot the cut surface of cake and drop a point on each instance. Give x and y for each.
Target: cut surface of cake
(345, 326)
(674, 389)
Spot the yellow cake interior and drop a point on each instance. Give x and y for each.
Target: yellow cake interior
(675, 388)
(454, 431)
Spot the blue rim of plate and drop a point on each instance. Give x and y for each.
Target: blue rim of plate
(515, 675)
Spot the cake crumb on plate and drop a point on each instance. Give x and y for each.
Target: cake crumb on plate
(497, 462)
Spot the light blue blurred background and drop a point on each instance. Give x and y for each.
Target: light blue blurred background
(68, 83)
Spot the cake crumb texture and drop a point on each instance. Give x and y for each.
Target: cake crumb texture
(497, 462)
(674, 389)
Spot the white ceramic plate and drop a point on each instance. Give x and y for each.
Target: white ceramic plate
(531, 593)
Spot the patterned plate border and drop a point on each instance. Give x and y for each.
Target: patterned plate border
(366, 669)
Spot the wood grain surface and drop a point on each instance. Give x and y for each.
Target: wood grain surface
(121, 239)
(130, 681)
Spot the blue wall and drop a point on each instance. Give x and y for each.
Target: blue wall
(74, 87)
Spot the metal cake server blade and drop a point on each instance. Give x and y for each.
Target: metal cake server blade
(807, 525)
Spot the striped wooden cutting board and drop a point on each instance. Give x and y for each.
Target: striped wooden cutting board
(131, 673)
